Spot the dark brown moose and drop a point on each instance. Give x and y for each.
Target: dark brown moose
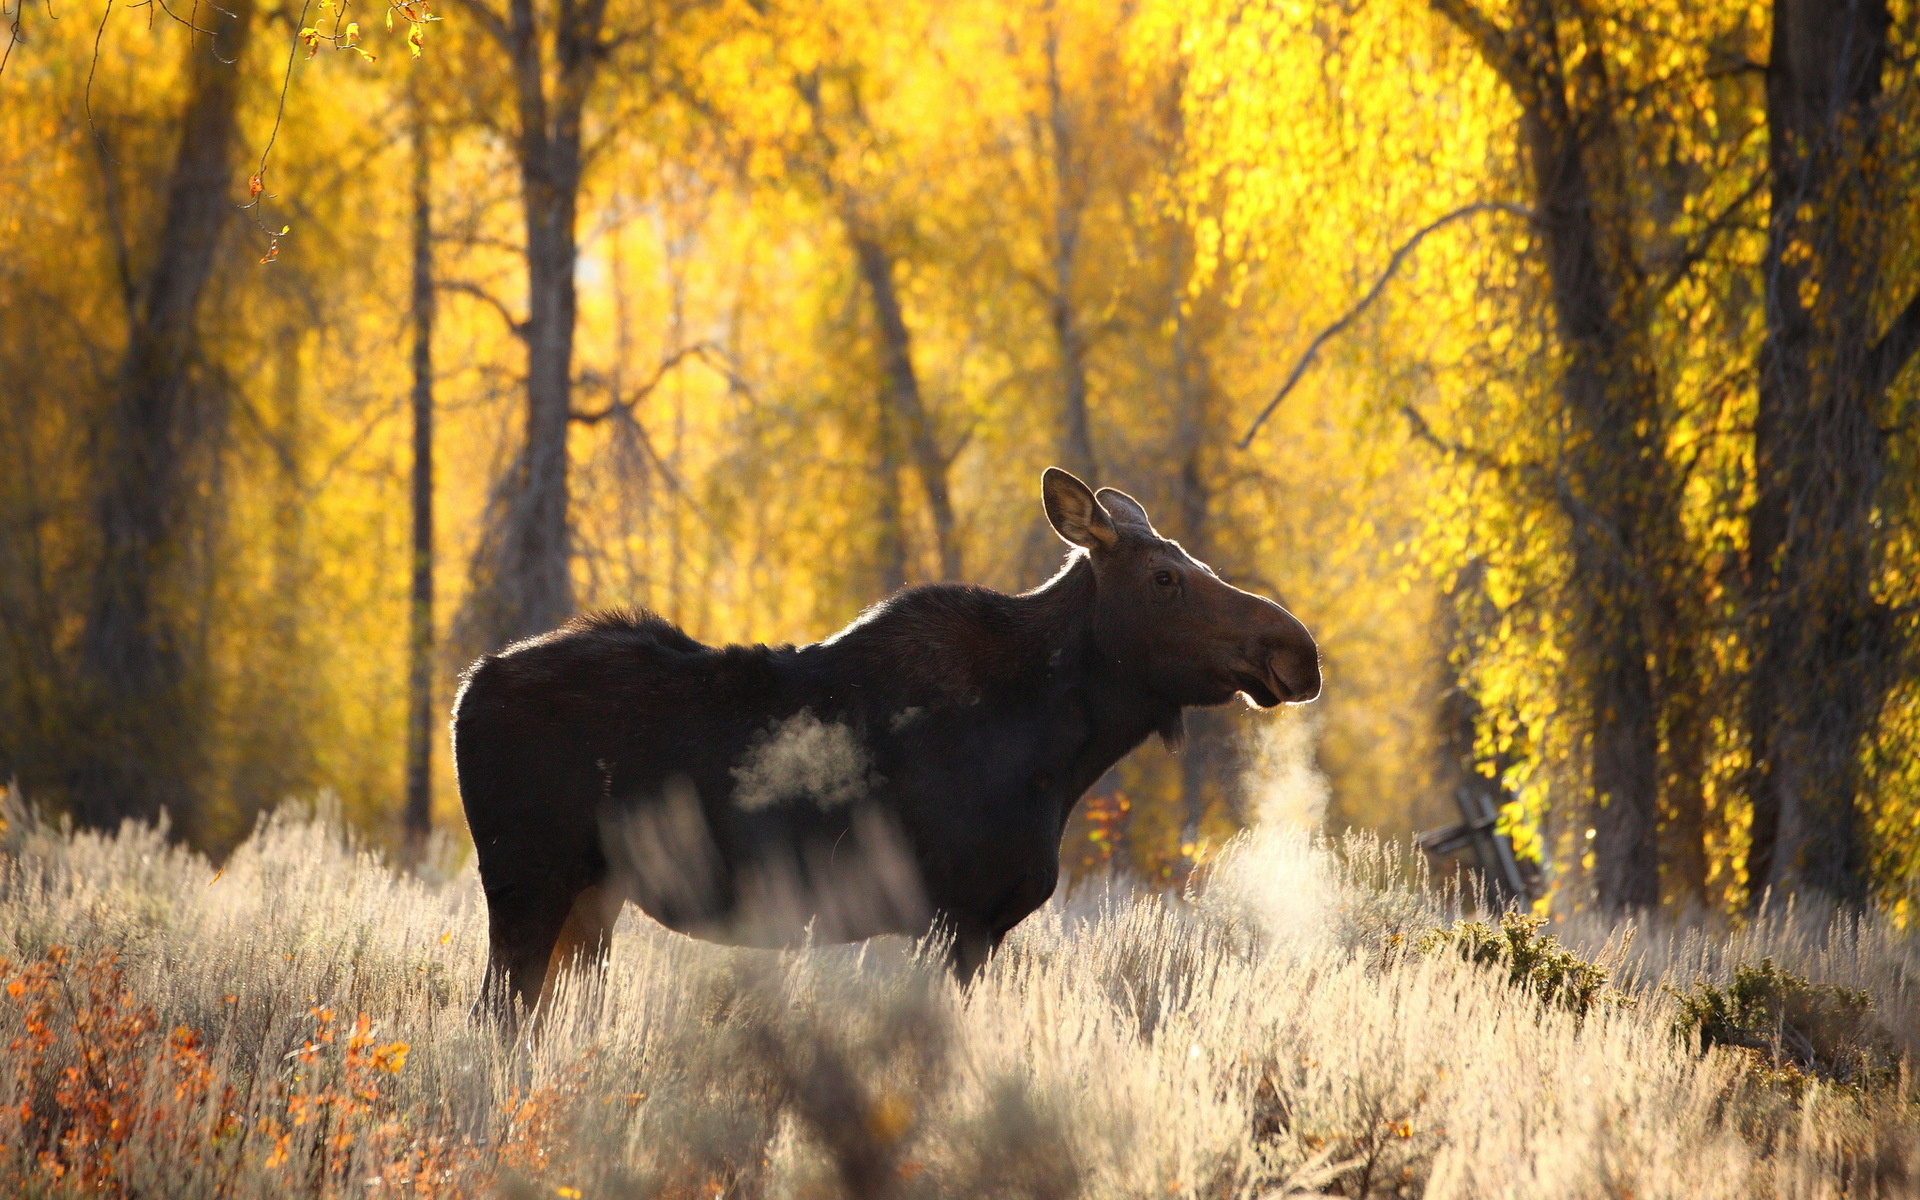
(913, 771)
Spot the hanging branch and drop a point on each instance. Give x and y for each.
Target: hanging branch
(1353, 314)
(13, 34)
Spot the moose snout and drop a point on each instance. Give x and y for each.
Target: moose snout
(1277, 660)
(1289, 659)
(1294, 672)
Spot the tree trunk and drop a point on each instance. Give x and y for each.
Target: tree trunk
(1076, 442)
(1204, 754)
(537, 575)
(273, 703)
(1069, 201)
(1683, 702)
(1616, 488)
(1615, 463)
(418, 820)
(892, 533)
(1212, 756)
(903, 385)
(141, 691)
(1823, 658)
(523, 581)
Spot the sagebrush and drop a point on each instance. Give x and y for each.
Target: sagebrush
(295, 1023)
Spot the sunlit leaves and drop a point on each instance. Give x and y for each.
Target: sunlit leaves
(337, 31)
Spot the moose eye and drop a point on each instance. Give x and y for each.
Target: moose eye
(1163, 578)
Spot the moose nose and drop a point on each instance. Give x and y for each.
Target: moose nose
(1295, 675)
(1293, 663)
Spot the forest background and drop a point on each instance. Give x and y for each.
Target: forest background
(1552, 359)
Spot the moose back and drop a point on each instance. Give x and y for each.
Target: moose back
(916, 768)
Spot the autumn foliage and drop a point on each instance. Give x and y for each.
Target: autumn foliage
(110, 1102)
(1550, 358)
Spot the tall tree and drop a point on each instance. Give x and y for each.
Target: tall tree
(1614, 484)
(907, 407)
(841, 129)
(142, 718)
(523, 580)
(418, 816)
(1070, 176)
(1826, 648)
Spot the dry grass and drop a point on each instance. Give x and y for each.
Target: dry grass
(296, 1024)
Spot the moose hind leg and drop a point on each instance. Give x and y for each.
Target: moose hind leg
(522, 929)
(586, 937)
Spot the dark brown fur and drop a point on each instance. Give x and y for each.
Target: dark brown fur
(915, 769)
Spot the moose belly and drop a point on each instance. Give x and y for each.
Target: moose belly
(789, 875)
(814, 831)
(770, 878)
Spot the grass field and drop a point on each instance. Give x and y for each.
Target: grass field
(296, 1023)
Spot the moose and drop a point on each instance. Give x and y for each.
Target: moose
(914, 771)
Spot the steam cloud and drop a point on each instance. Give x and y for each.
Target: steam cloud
(1285, 786)
(803, 758)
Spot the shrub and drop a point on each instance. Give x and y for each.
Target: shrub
(203, 1035)
(107, 1101)
(1795, 1027)
(1533, 960)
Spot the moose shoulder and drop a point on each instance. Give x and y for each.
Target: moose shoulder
(915, 768)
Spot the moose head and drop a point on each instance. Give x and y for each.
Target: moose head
(1161, 614)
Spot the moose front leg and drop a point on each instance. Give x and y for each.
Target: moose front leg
(972, 946)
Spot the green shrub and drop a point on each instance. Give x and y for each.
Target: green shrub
(1533, 960)
(1797, 1028)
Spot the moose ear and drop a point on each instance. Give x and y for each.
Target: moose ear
(1074, 513)
(1125, 510)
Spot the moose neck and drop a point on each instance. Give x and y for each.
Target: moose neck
(1122, 710)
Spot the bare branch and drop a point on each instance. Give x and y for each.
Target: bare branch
(491, 21)
(188, 21)
(1549, 484)
(472, 241)
(628, 403)
(624, 421)
(1493, 43)
(1351, 315)
(466, 287)
(1739, 65)
(93, 65)
(13, 34)
(1417, 421)
(256, 187)
(1709, 233)
(1894, 349)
